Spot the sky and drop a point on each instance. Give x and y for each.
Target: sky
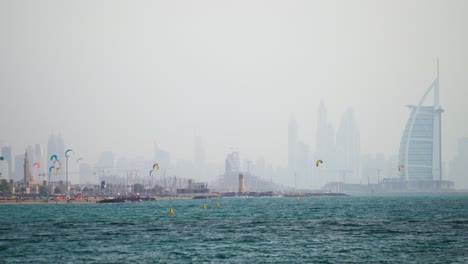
(119, 75)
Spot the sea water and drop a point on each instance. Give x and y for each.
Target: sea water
(410, 229)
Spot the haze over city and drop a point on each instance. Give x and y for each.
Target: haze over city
(110, 76)
(220, 131)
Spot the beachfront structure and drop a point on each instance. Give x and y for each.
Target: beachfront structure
(194, 188)
(420, 156)
(241, 183)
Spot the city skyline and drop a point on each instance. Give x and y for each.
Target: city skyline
(232, 95)
(106, 93)
(302, 131)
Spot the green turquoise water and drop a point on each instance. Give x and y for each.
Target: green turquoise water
(313, 230)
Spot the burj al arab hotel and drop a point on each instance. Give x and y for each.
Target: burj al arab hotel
(420, 155)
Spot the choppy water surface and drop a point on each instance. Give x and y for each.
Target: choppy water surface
(253, 230)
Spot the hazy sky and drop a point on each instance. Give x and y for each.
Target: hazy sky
(117, 75)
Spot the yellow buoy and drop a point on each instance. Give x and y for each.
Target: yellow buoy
(217, 203)
(171, 212)
(204, 206)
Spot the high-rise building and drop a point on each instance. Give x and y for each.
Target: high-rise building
(106, 161)
(260, 168)
(325, 136)
(325, 148)
(459, 165)
(292, 144)
(19, 167)
(60, 147)
(55, 146)
(348, 148)
(6, 154)
(86, 174)
(51, 146)
(420, 156)
(231, 171)
(162, 157)
(4, 170)
(38, 158)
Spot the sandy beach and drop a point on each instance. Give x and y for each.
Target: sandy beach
(80, 201)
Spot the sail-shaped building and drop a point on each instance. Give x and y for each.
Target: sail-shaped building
(420, 155)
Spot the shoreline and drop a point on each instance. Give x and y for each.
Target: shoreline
(80, 201)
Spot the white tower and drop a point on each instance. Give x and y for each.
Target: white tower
(437, 135)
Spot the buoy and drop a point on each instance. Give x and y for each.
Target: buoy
(204, 206)
(253, 201)
(217, 203)
(279, 200)
(171, 212)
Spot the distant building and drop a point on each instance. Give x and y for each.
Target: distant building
(60, 146)
(420, 156)
(348, 148)
(55, 146)
(51, 147)
(420, 147)
(459, 165)
(260, 168)
(325, 148)
(28, 177)
(86, 174)
(30, 152)
(106, 161)
(162, 157)
(194, 188)
(38, 158)
(298, 158)
(231, 171)
(4, 169)
(19, 167)
(6, 154)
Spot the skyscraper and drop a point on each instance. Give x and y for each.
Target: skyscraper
(231, 171)
(55, 146)
(4, 170)
(6, 154)
(60, 147)
(51, 148)
(420, 156)
(348, 148)
(19, 167)
(325, 148)
(162, 157)
(106, 161)
(39, 158)
(86, 174)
